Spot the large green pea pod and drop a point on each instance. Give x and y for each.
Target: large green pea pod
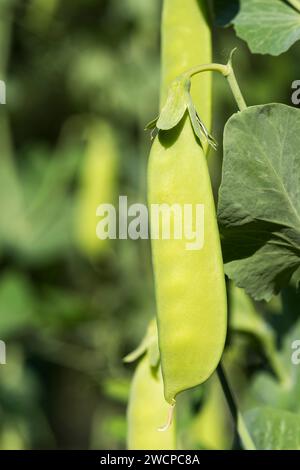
(147, 410)
(190, 285)
(186, 42)
(98, 183)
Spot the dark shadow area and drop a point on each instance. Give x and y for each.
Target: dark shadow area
(225, 11)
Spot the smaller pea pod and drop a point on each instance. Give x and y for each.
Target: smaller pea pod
(246, 319)
(147, 408)
(211, 427)
(98, 182)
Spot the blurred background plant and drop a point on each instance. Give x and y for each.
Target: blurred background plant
(82, 78)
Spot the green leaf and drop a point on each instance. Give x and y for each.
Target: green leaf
(269, 27)
(259, 203)
(176, 104)
(274, 429)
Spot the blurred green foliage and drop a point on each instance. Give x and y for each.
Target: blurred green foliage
(68, 320)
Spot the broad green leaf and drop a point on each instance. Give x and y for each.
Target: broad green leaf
(274, 429)
(268, 26)
(259, 203)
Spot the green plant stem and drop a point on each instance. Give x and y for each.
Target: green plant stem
(295, 4)
(241, 428)
(235, 89)
(221, 68)
(228, 72)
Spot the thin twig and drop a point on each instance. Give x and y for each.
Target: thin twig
(228, 72)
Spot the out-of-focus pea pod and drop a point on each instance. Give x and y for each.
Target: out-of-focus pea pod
(245, 318)
(98, 185)
(147, 408)
(186, 42)
(211, 427)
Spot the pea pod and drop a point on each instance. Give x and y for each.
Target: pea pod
(246, 319)
(211, 427)
(186, 42)
(97, 186)
(147, 410)
(190, 286)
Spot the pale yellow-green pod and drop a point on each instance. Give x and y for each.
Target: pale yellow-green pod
(98, 185)
(247, 319)
(211, 428)
(186, 42)
(190, 284)
(147, 411)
